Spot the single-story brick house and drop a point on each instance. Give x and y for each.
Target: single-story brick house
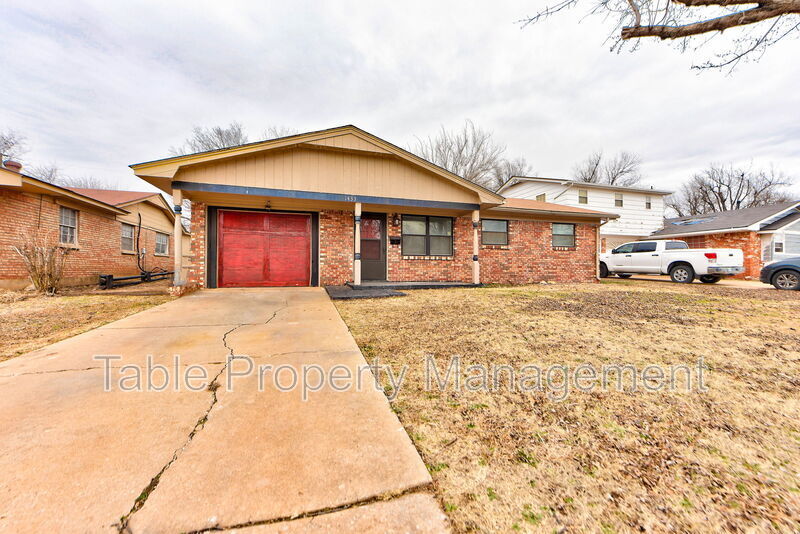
(765, 233)
(102, 229)
(343, 206)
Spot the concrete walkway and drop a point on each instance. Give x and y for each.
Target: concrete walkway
(76, 458)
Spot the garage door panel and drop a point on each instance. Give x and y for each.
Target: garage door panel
(287, 253)
(279, 223)
(264, 249)
(244, 221)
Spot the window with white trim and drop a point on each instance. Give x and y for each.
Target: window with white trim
(583, 196)
(618, 200)
(494, 232)
(68, 226)
(542, 197)
(648, 202)
(162, 244)
(126, 237)
(563, 235)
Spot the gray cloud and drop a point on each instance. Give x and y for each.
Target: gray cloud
(96, 86)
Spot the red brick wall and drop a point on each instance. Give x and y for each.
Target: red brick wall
(457, 268)
(99, 241)
(750, 245)
(197, 257)
(336, 238)
(694, 241)
(530, 257)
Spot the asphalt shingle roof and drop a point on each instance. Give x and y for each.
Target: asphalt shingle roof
(722, 220)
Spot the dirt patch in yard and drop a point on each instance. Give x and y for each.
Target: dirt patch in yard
(727, 459)
(29, 321)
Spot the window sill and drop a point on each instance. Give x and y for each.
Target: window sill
(130, 252)
(69, 246)
(496, 247)
(565, 249)
(431, 258)
(162, 255)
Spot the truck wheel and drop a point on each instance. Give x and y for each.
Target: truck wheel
(603, 270)
(786, 280)
(623, 275)
(710, 279)
(682, 274)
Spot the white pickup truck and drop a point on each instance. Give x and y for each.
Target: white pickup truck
(674, 258)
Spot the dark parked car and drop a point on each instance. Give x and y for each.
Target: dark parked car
(784, 274)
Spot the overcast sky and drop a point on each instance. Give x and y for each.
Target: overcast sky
(96, 86)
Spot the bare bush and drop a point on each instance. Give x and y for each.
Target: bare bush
(44, 258)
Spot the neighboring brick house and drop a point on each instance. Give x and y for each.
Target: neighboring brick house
(764, 234)
(343, 206)
(100, 228)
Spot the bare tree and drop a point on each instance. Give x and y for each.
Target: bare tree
(472, 153)
(84, 182)
(12, 144)
(725, 187)
(53, 175)
(623, 169)
(49, 173)
(679, 20)
(214, 138)
(278, 131)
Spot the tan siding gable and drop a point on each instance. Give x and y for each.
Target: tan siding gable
(152, 217)
(349, 142)
(328, 171)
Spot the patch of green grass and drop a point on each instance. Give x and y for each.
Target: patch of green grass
(435, 468)
(450, 507)
(686, 503)
(491, 494)
(525, 457)
(530, 516)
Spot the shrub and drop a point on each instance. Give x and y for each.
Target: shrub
(44, 258)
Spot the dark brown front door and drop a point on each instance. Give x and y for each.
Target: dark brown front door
(373, 246)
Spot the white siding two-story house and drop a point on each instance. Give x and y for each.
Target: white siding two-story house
(640, 210)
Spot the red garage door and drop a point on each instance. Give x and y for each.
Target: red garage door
(264, 249)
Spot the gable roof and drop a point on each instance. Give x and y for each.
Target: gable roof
(161, 171)
(782, 223)
(526, 206)
(514, 180)
(36, 186)
(114, 197)
(731, 220)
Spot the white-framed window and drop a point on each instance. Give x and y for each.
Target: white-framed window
(648, 202)
(779, 247)
(619, 200)
(68, 226)
(563, 235)
(126, 237)
(583, 196)
(494, 232)
(162, 244)
(542, 197)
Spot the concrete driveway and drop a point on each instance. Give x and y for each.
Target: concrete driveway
(233, 450)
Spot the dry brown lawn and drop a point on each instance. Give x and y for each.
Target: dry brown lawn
(29, 321)
(727, 460)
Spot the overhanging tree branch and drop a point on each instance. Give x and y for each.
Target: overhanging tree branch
(764, 11)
